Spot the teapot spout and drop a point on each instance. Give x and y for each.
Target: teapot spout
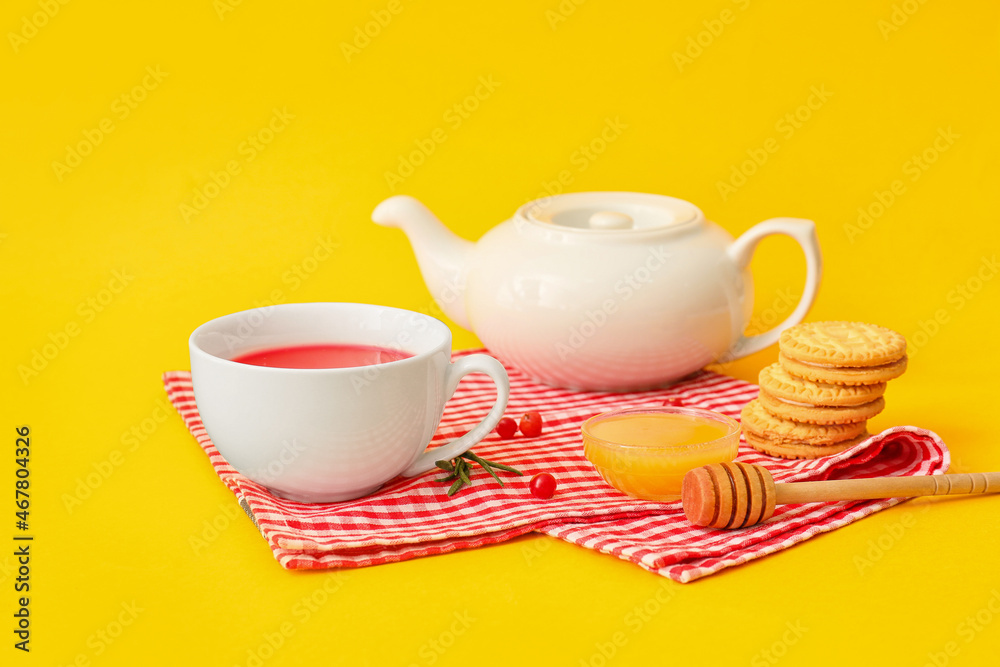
(442, 256)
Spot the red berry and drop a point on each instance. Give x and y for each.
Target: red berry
(531, 425)
(674, 402)
(506, 428)
(542, 485)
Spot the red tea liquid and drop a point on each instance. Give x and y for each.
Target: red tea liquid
(322, 356)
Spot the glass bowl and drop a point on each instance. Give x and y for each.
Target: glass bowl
(645, 452)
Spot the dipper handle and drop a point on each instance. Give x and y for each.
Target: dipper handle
(887, 487)
(736, 495)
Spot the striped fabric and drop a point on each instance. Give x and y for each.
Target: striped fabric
(414, 517)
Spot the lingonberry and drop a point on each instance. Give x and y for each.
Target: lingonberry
(506, 428)
(542, 485)
(531, 425)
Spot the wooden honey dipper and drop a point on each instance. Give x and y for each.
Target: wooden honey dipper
(736, 495)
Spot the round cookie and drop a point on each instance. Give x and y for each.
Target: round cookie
(800, 451)
(842, 344)
(821, 414)
(777, 382)
(843, 375)
(759, 422)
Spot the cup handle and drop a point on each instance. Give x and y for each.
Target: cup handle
(740, 252)
(474, 363)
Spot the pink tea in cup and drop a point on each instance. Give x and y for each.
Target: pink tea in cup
(326, 355)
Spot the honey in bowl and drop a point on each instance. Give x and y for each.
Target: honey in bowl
(645, 452)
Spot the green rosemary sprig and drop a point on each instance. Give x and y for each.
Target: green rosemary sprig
(460, 470)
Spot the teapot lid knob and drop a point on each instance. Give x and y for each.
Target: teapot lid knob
(609, 220)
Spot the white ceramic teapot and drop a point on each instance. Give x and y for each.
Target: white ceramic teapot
(606, 291)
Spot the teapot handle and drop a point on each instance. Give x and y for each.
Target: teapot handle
(740, 252)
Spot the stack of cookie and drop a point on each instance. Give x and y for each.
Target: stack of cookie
(827, 384)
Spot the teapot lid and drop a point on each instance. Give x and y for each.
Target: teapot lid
(610, 212)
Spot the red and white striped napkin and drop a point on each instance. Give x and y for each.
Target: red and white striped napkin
(414, 517)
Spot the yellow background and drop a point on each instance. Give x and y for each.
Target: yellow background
(897, 588)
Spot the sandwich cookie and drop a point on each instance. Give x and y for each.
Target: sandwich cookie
(796, 440)
(789, 397)
(800, 451)
(842, 353)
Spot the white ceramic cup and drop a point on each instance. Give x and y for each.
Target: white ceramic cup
(332, 434)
